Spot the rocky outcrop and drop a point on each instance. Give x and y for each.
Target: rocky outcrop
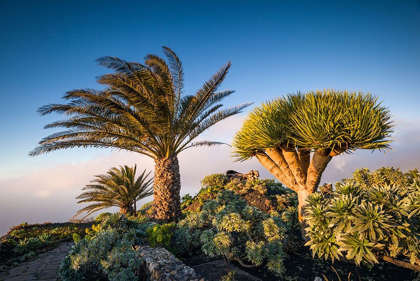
(158, 264)
(251, 175)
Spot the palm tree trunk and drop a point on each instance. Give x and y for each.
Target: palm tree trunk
(127, 210)
(166, 190)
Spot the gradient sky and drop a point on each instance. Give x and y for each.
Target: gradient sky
(276, 47)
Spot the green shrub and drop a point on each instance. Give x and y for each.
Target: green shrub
(228, 227)
(102, 217)
(108, 253)
(365, 222)
(27, 245)
(186, 200)
(160, 235)
(241, 187)
(383, 176)
(18, 233)
(213, 180)
(76, 238)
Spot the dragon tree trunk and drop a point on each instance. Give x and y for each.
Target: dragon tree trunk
(296, 169)
(166, 190)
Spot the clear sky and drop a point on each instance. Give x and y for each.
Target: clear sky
(276, 47)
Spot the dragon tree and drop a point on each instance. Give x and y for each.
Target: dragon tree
(296, 136)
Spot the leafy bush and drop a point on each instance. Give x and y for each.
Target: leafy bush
(146, 206)
(101, 217)
(28, 244)
(144, 213)
(160, 235)
(228, 227)
(383, 176)
(186, 200)
(264, 194)
(213, 180)
(106, 254)
(366, 222)
(76, 237)
(241, 187)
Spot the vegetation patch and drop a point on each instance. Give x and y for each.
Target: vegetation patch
(107, 253)
(25, 241)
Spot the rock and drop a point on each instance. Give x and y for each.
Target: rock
(251, 175)
(159, 264)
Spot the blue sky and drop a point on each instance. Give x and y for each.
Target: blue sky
(276, 47)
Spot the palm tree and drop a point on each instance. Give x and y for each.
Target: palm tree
(119, 188)
(142, 109)
(295, 137)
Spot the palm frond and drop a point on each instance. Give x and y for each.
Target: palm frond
(119, 65)
(140, 110)
(176, 71)
(206, 143)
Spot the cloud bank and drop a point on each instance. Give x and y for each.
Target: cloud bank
(48, 194)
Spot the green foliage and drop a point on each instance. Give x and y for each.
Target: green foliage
(241, 187)
(363, 220)
(118, 222)
(100, 218)
(229, 277)
(106, 254)
(17, 233)
(146, 206)
(230, 228)
(413, 175)
(383, 176)
(76, 238)
(160, 235)
(144, 213)
(28, 244)
(265, 194)
(186, 200)
(213, 180)
(321, 121)
(25, 241)
(92, 232)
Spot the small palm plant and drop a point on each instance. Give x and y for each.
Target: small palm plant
(118, 188)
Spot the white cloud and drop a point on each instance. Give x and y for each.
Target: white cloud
(339, 163)
(48, 194)
(42, 193)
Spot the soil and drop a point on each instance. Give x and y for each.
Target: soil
(213, 271)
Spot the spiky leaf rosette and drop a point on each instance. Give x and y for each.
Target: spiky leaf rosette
(322, 120)
(365, 224)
